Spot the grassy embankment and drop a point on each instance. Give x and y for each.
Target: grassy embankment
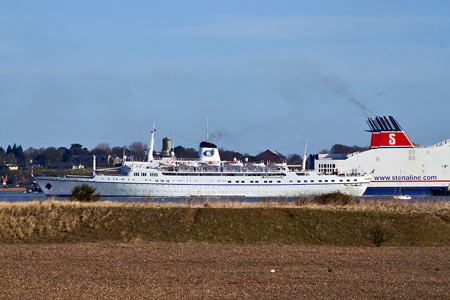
(354, 223)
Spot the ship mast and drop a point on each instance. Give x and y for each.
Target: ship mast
(304, 155)
(152, 143)
(207, 130)
(93, 165)
(172, 151)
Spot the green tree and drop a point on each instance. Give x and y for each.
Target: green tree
(42, 159)
(11, 158)
(21, 157)
(84, 193)
(67, 156)
(77, 149)
(2, 155)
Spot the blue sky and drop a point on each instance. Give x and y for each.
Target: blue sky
(266, 74)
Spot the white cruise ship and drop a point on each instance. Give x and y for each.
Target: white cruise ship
(208, 176)
(397, 165)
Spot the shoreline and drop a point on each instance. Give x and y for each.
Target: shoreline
(13, 189)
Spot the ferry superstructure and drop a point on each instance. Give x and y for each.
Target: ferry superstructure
(396, 164)
(208, 176)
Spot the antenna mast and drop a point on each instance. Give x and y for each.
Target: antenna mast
(207, 130)
(304, 155)
(93, 165)
(173, 137)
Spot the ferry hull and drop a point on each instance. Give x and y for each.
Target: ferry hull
(413, 190)
(397, 169)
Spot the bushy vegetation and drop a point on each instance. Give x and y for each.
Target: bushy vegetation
(84, 193)
(336, 198)
(380, 233)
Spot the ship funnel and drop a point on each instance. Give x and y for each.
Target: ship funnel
(208, 152)
(387, 133)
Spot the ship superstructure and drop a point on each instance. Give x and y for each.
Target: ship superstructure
(396, 164)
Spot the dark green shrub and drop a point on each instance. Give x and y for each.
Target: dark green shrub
(84, 193)
(336, 198)
(380, 233)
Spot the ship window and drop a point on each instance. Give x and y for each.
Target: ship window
(305, 181)
(320, 180)
(299, 180)
(242, 181)
(251, 181)
(341, 180)
(290, 180)
(265, 181)
(229, 181)
(279, 181)
(256, 181)
(312, 180)
(270, 181)
(332, 180)
(348, 179)
(355, 180)
(237, 181)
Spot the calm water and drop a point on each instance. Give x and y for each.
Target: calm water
(26, 197)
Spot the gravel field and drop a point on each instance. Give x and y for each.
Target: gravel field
(203, 271)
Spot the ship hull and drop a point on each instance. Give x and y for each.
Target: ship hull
(394, 190)
(121, 186)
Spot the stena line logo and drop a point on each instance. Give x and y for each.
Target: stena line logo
(392, 139)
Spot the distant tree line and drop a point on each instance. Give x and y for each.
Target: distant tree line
(343, 149)
(77, 154)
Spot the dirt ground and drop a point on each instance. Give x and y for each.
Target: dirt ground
(202, 271)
